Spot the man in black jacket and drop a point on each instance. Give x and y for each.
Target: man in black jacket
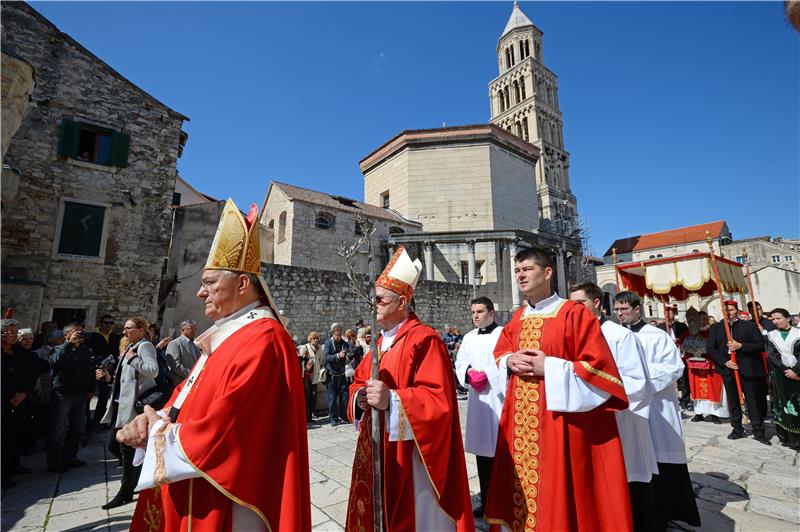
(335, 350)
(73, 383)
(748, 344)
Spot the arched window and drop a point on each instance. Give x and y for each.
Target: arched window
(508, 59)
(500, 101)
(525, 128)
(324, 220)
(522, 87)
(282, 227)
(507, 97)
(549, 95)
(527, 48)
(521, 50)
(394, 230)
(519, 128)
(517, 94)
(513, 59)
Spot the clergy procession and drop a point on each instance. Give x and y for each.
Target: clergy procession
(574, 419)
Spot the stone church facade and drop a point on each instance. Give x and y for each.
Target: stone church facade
(86, 226)
(484, 191)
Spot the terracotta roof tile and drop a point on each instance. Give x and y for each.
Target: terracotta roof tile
(672, 237)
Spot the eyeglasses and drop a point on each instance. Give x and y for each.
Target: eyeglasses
(383, 300)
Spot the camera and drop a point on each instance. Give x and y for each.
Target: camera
(109, 364)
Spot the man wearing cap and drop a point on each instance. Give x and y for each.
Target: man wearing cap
(747, 343)
(229, 451)
(425, 483)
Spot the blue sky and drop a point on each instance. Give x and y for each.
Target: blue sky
(674, 113)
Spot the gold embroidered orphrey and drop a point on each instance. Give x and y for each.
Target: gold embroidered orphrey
(526, 450)
(235, 248)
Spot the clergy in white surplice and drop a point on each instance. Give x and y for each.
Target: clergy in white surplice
(477, 370)
(633, 422)
(664, 365)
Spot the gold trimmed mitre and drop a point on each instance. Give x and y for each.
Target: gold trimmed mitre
(236, 247)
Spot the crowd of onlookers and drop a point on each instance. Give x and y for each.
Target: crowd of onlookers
(332, 362)
(50, 377)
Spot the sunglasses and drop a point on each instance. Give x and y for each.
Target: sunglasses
(384, 300)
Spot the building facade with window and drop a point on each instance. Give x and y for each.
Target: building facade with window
(308, 228)
(87, 230)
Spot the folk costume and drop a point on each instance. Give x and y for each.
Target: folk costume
(486, 395)
(633, 424)
(673, 484)
(558, 463)
(230, 452)
(425, 483)
(783, 349)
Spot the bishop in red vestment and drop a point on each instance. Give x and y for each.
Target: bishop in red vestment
(558, 463)
(424, 473)
(229, 451)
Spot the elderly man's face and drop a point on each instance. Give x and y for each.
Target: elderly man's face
(189, 331)
(220, 292)
(26, 340)
(390, 307)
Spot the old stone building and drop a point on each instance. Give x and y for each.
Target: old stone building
(484, 191)
(308, 227)
(87, 230)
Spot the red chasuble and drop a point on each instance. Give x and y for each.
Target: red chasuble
(417, 367)
(243, 428)
(554, 470)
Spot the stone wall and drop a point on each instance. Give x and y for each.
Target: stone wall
(72, 83)
(313, 299)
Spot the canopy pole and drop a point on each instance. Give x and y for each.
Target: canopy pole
(616, 271)
(731, 352)
(750, 290)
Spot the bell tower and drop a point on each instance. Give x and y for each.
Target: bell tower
(524, 100)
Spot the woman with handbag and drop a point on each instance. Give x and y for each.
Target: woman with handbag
(136, 371)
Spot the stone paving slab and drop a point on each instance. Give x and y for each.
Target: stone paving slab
(740, 485)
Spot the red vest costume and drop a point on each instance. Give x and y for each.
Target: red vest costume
(243, 428)
(704, 383)
(554, 470)
(417, 367)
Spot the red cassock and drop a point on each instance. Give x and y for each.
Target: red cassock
(243, 428)
(418, 368)
(557, 471)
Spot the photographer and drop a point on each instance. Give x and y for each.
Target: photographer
(336, 351)
(73, 384)
(135, 374)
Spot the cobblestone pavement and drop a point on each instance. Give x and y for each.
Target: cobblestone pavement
(740, 485)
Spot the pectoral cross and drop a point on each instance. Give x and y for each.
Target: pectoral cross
(251, 316)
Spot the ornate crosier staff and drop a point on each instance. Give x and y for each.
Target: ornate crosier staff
(367, 230)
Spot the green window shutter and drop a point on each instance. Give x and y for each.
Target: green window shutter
(69, 138)
(81, 229)
(120, 144)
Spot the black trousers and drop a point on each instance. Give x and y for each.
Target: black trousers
(130, 474)
(103, 392)
(755, 397)
(484, 474)
(683, 388)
